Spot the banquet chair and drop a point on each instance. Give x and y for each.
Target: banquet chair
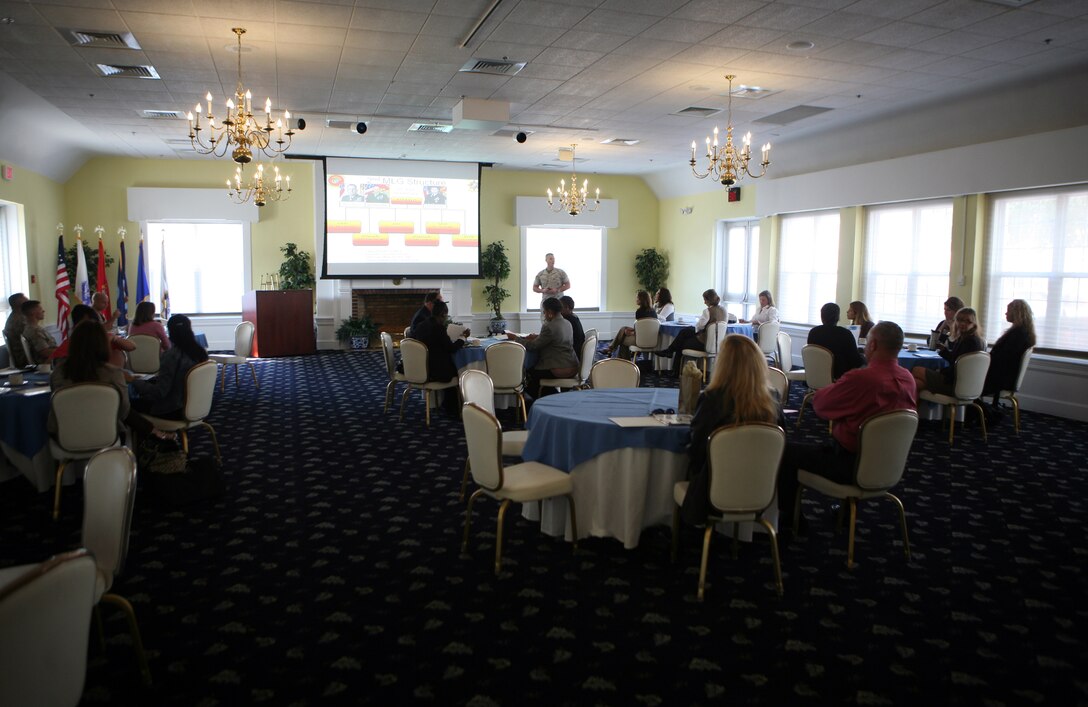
(413, 353)
(395, 376)
(589, 348)
(785, 351)
(28, 351)
(970, 378)
(779, 383)
(521, 483)
(45, 621)
(715, 332)
(614, 373)
(883, 446)
(592, 332)
(743, 466)
(108, 497)
(476, 387)
(243, 347)
(767, 338)
(86, 416)
(1010, 395)
(818, 362)
(145, 357)
(647, 337)
(505, 362)
(199, 392)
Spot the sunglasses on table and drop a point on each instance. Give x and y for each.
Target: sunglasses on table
(663, 411)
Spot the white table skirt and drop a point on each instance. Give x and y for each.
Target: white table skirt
(39, 470)
(619, 493)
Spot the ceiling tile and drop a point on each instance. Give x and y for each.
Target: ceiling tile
(782, 16)
(611, 22)
(739, 37)
(292, 12)
(388, 21)
(689, 31)
(957, 14)
(661, 8)
(901, 34)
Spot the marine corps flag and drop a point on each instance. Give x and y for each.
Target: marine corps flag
(122, 285)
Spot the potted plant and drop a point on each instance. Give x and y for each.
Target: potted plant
(651, 269)
(357, 331)
(495, 266)
(297, 269)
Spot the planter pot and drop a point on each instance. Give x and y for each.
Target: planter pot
(496, 326)
(358, 343)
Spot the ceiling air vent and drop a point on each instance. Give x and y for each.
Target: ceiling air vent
(501, 67)
(131, 72)
(430, 128)
(163, 115)
(87, 38)
(792, 115)
(620, 141)
(697, 112)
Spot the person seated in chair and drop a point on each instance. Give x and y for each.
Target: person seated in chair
(567, 304)
(966, 337)
(1008, 352)
(839, 341)
(42, 343)
(164, 395)
(666, 310)
(13, 331)
(694, 338)
(145, 323)
(424, 312)
(554, 346)
(440, 349)
(80, 313)
(626, 335)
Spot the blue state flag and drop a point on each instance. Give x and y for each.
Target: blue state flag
(122, 290)
(143, 290)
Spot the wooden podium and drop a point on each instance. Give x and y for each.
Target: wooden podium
(283, 319)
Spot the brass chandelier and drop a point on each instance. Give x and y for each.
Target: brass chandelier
(726, 163)
(573, 200)
(259, 190)
(240, 130)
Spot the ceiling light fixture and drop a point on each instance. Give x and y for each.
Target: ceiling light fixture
(573, 200)
(257, 190)
(726, 163)
(240, 128)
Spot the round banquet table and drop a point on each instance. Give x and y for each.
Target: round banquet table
(921, 357)
(23, 436)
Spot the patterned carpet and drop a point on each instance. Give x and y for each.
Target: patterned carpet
(331, 573)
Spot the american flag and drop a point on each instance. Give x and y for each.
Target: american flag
(64, 305)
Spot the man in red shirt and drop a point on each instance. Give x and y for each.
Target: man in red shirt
(882, 386)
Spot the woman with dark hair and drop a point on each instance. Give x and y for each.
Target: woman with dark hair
(164, 395)
(666, 311)
(626, 335)
(943, 335)
(967, 337)
(858, 314)
(695, 337)
(1008, 350)
(737, 394)
(145, 323)
(440, 349)
(87, 361)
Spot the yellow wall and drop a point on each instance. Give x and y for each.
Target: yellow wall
(638, 224)
(42, 200)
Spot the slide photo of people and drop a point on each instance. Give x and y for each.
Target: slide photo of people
(350, 193)
(376, 193)
(434, 194)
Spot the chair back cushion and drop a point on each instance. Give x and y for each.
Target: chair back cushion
(884, 443)
(476, 387)
(614, 373)
(484, 438)
(646, 331)
(109, 489)
(779, 383)
(28, 351)
(45, 621)
(145, 357)
(1024, 361)
(589, 351)
(743, 462)
(715, 332)
(243, 339)
(505, 364)
(413, 354)
(86, 416)
(971, 374)
(387, 351)
(592, 332)
(199, 390)
(785, 351)
(819, 363)
(768, 337)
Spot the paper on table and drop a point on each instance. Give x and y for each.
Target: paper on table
(670, 419)
(32, 391)
(643, 421)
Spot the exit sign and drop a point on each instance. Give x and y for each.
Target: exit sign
(8, 172)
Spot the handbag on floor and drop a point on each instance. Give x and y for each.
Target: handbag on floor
(159, 456)
(200, 480)
(691, 382)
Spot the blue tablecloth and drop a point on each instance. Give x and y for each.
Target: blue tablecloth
(567, 429)
(671, 329)
(926, 358)
(23, 418)
(472, 354)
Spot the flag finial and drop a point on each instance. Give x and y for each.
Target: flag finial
(121, 232)
(79, 230)
(60, 229)
(98, 231)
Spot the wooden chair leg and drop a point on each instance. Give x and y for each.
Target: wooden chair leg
(850, 542)
(675, 545)
(774, 554)
(222, 377)
(236, 375)
(427, 406)
(253, 372)
(468, 517)
(702, 564)
(1016, 413)
(56, 491)
(981, 420)
(134, 629)
(464, 480)
(404, 397)
(215, 441)
(498, 535)
(902, 523)
(573, 520)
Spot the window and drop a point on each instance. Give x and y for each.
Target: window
(908, 250)
(808, 265)
(739, 246)
(1038, 251)
(207, 265)
(13, 270)
(578, 251)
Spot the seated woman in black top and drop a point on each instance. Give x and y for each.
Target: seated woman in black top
(626, 335)
(967, 335)
(440, 366)
(737, 394)
(694, 338)
(858, 314)
(943, 330)
(1008, 351)
(164, 395)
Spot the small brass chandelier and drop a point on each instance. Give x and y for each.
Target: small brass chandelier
(726, 163)
(240, 129)
(259, 190)
(573, 200)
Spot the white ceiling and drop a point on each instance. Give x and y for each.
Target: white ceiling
(596, 69)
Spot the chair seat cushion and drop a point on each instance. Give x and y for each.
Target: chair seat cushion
(941, 399)
(532, 481)
(834, 490)
(680, 492)
(227, 358)
(436, 385)
(559, 382)
(165, 423)
(102, 582)
(513, 442)
(693, 353)
(797, 374)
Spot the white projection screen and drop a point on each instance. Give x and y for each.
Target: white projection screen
(401, 218)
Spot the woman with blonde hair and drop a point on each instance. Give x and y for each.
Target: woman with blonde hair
(695, 337)
(858, 314)
(767, 311)
(626, 335)
(737, 394)
(1009, 349)
(967, 337)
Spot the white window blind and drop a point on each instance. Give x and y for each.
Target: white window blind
(808, 263)
(908, 252)
(13, 262)
(740, 253)
(1038, 251)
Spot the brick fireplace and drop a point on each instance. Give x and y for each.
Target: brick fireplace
(392, 309)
